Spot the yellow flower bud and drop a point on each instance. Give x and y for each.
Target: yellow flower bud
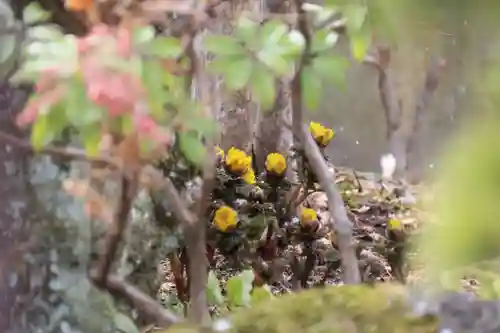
(394, 224)
(237, 161)
(219, 152)
(322, 135)
(225, 218)
(276, 164)
(249, 176)
(307, 216)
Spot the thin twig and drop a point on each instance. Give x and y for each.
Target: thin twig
(114, 235)
(340, 223)
(65, 153)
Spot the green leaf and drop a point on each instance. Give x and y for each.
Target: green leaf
(238, 73)
(10, 42)
(332, 68)
(312, 88)
(143, 34)
(223, 45)
(360, 42)
(246, 29)
(80, 111)
(274, 60)
(192, 148)
(261, 294)
(34, 13)
(40, 135)
(272, 32)
(153, 80)
(165, 47)
(49, 125)
(206, 127)
(239, 288)
(293, 44)
(91, 137)
(214, 291)
(124, 324)
(263, 86)
(50, 32)
(355, 16)
(323, 40)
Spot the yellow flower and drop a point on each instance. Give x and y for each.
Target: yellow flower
(394, 224)
(308, 215)
(276, 164)
(249, 176)
(238, 161)
(225, 218)
(321, 134)
(219, 152)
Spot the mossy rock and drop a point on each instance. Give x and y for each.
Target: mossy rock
(342, 309)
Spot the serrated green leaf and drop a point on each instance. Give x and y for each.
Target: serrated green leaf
(143, 34)
(238, 73)
(165, 47)
(312, 88)
(355, 16)
(360, 42)
(153, 81)
(214, 291)
(223, 45)
(192, 147)
(273, 59)
(323, 40)
(332, 68)
(239, 288)
(263, 86)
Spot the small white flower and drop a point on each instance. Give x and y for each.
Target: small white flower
(388, 164)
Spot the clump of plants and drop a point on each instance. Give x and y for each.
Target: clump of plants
(124, 92)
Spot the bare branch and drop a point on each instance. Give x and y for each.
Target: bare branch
(434, 72)
(148, 307)
(340, 223)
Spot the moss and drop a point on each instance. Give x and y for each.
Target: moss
(342, 309)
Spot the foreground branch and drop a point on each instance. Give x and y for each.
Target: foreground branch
(340, 223)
